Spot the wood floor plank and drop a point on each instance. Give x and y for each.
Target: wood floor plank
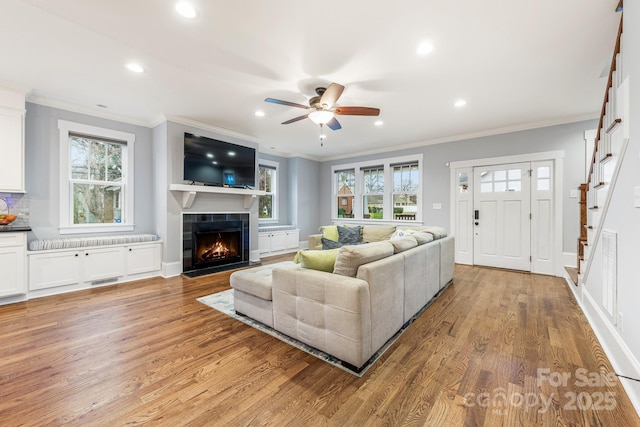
(147, 352)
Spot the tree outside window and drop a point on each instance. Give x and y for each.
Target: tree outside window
(267, 182)
(373, 197)
(96, 180)
(345, 185)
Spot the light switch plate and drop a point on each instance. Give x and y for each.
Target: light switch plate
(573, 194)
(437, 206)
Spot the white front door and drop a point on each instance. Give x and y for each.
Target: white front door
(502, 211)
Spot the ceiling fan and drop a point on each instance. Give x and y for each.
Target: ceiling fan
(322, 109)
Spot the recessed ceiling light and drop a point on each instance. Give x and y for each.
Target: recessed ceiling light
(102, 106)
(460, 103)
(136, 68)
(378, 123)
(186, 9)
(424, 48)
(214, 162)
(259, 113)
(232, 153)
(273, 148)
(209, 155)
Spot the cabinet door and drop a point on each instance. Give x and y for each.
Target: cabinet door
(12, 260)
(292, 239)
(12, 158)
(54, 269)
(264, 243)
(101, 264)
(142, 259)
(278, 241)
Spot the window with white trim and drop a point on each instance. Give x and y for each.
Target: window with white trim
(268, 182)
(96, 192)
(389, 190)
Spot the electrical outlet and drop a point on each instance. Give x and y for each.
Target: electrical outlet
(620, 323)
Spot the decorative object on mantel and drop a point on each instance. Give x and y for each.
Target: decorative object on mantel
(189, 193)
(223, 302)
(322, 110)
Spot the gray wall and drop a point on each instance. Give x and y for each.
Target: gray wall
(42, 169)
(306, 197)
(569, 137)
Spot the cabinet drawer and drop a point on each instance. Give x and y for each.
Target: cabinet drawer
(12, 239)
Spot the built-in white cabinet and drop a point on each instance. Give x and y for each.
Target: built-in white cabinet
(63, 270)
(278, 242)
(12, 264)
(12, 110)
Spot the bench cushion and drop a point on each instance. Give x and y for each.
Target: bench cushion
(257, 281)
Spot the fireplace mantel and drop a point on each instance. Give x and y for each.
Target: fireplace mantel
(189, 193)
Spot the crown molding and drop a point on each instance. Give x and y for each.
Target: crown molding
(472, 135)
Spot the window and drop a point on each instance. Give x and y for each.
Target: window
(95, 192)
(345, 184)
(387, 191)
(267, 181)
(373, 193)
(500, 181)
(406, 180)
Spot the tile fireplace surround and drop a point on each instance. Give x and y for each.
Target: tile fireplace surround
(214, 242)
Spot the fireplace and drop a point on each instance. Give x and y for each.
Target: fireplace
(214, 242)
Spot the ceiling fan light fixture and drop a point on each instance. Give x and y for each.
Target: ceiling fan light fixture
(321, 117)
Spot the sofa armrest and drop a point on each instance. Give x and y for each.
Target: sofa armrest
(315, 241)
(327, 311)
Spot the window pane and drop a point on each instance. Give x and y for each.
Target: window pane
(500, 187)
(515, 185)
(265, 206)
(97, 160)
(515, 174)
(96, 204)
(486, 187)
(500, 175)
(486, 177)
(405, 178)
(405, 206)
(373, 180)
(79, 158)
(345, 206)
(463, 182)
(114, 162)
(543, 171)
(544, 184)
(372, 207)
(345, 181)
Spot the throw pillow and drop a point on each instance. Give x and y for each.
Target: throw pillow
(401, 244)
(319, 260)
(377, 233)
(349, 235)
(330, 244)
(351, 257)
(330, 232)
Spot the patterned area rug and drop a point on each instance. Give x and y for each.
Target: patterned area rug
(223, 302)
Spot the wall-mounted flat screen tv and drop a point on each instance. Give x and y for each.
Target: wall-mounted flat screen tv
(209, 161)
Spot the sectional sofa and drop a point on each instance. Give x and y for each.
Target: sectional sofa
(372, 292)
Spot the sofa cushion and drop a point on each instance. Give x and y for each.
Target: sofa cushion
(319, 260)
(422, 238)
(437, 232)
(351, 257)
(330, 244)
(348, 235)
(377, 233)
(330, 232)
(401, 244)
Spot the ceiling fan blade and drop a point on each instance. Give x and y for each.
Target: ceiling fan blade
(357, 111)
(295, 119)
(333, 124)
(331, 95)
(290, 104)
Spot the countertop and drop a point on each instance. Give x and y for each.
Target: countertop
(14, 228)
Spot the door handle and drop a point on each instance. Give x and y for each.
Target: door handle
(476, 223)
(476, 215)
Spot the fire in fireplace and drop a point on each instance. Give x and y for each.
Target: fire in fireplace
(214, 242)
(215, 246)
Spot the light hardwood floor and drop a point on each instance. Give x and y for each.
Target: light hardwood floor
(148, 353)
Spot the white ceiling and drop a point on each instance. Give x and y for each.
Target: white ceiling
(519, 64)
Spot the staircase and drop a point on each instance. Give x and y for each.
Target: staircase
(609, 147)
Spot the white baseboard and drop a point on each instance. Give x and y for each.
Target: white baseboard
(619, 354)
(171, 269)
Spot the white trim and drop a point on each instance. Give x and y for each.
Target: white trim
(274, 193)
(557, 157)
(66, 203)
(569, 259)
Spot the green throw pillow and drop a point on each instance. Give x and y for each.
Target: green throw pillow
(319, 260)
(330, 232)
